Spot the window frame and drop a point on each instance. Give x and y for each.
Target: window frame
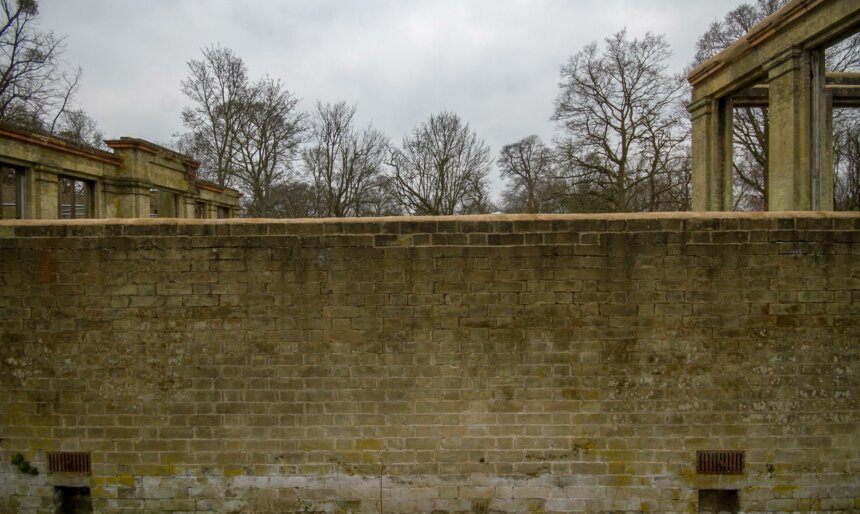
(88, 207)
(18, 188)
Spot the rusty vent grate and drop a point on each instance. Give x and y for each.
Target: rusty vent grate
(69, 462)
(720, 462)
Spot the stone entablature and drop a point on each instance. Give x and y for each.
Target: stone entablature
(47, 178)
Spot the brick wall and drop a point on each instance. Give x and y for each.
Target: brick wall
(474, 364)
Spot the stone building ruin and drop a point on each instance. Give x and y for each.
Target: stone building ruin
(779, 63)
(43, 177)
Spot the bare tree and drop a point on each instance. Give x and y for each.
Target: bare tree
(78, 127)
(534, 185)
(668, 158)
(527, 165)
(35, 90)
(244, 134)
(441, 168)
(846, 157)
(751, 123)
(292, 198)
(382, 201)
(618, 110)
(344, 164)
(478, 200)
(218, 86)
(267, 142)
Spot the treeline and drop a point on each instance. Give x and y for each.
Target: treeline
(623, 145)
(251, 135)
(622, 142)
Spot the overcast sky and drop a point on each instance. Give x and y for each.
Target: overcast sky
(493, 62)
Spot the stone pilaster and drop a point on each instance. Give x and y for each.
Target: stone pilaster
(41, 192)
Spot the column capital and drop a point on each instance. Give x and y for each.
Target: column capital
(701, 107)
(783, 62)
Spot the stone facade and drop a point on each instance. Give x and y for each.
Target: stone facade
(43, 177)
(471, 364)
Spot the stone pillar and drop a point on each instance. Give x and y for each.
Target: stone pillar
(129, 200)
(798, 178)
(112, 199)
(189, 205)
(42, 193)
(712, 154)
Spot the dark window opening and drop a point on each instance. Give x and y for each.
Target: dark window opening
(72, 500)
(163, 204)
(223, 212)
(11, 193)
(719, 501)
(76, 198)
(200, 210)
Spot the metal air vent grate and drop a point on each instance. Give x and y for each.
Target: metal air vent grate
(720, 462)
(69, 462)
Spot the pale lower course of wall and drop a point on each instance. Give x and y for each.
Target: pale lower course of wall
(472, 364)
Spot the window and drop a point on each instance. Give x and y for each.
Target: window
(11, 189)
(223, 212)
(200, 210)
(154, 202)
(76, 198)
(162, 204)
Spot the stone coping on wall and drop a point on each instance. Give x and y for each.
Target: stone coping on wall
(394, 225)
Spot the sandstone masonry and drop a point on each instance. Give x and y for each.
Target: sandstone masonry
(43, 177)
(464, 364)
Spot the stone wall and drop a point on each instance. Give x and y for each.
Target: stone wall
(474, 364)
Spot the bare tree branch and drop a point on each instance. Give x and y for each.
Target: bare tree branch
(267, 142)
(218, 87)
(441, 168)
(344, 164)
(622, 128)
(35, 90)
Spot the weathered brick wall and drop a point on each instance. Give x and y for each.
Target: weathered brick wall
(543, 364)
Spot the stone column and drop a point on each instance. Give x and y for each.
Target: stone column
(798, 178)
(712, 154)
